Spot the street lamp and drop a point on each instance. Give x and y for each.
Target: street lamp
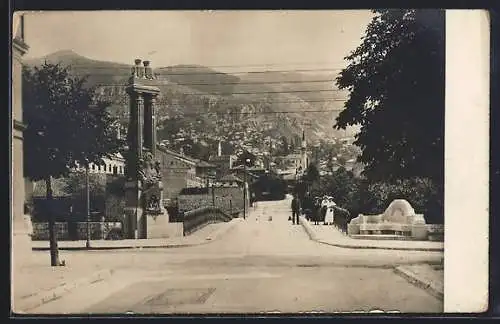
(87, 194)
(245, 188)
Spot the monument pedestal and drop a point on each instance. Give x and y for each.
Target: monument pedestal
(142, 223)
(157, 226)
(134, 212)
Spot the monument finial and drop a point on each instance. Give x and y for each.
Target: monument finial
(148, 70)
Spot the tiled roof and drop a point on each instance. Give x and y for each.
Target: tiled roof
(204, 164)
(220, 158)
(178, 155)
(231, 177)
(198, 162)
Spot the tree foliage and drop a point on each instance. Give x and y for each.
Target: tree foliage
(65, 125)
(66, 128)
(367, 197)
(241, 159)
(311, 174)
(396, 82)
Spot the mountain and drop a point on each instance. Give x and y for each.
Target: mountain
(98, 72)
(204, 105)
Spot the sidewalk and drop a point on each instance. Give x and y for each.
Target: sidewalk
(202, 236)
(38, 283)
(425, 276)
(332, 236)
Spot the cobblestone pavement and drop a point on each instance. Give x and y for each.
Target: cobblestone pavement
(260, 265)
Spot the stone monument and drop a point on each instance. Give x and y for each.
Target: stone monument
(399, 220)
(143, 189)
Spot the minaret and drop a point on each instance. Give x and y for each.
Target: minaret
(219, 150)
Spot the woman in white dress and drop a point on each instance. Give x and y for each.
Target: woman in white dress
(329, 212)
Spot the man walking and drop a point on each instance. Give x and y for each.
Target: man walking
(295, 209)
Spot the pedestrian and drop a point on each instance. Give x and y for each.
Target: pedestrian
(322, 213)
(316, 211)
(295, 209)
(329, 219)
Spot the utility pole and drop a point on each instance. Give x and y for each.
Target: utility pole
(245, 189)
(270, 152)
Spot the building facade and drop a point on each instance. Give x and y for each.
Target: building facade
(223, 164)
(21, 223)
(180, 171)
(114, 165)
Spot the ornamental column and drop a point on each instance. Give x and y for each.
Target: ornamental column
(143, 186)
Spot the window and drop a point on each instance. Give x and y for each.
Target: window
(115, 169)
(99, 167)
(109, 168)
(93, 167)
(121, 169)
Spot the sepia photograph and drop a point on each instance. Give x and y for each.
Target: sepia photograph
(229, 162)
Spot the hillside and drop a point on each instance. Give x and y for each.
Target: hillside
(98, 72)
(200, 105)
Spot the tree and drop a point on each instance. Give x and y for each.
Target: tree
(75, 185)
(396, 82)
(284, 148)
(311, 174)
(341, 161)
(243, 157)
(66, 128)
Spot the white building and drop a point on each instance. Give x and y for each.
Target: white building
(115, 165)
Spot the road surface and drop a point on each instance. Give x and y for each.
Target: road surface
(263, 264)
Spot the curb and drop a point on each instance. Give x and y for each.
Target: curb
(313, 237)
(44, 297)
(96, 248)
(411, 277)
(209, 239)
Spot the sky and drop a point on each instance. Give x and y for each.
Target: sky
(243, 40)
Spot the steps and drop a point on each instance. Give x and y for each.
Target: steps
(382, 237)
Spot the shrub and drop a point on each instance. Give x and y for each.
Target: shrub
(422, 193)
(364, 197)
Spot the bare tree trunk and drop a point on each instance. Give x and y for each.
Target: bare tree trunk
(54, 252)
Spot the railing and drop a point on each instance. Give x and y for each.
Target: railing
(197, 218)
(78, 231)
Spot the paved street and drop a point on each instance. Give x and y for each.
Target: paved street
(259, 265)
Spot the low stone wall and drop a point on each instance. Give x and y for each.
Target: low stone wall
(41, 231)
(228, 200)
(194, 201)
(78, 231)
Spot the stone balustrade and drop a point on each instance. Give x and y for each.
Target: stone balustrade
(195, 219)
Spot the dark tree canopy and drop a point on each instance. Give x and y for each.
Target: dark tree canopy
(396, 84)
(243, 157)
(311, 174)
(65, 125)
